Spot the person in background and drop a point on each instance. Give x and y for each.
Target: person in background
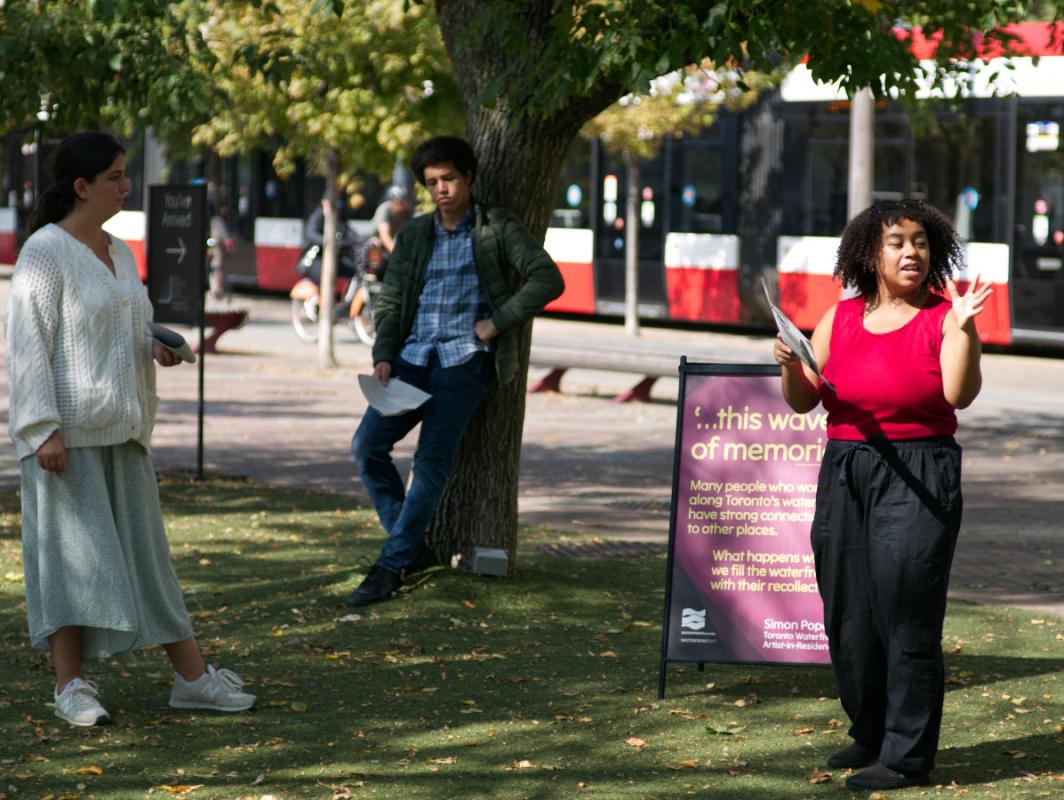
(97, 565)
(902, 357)
(220, 245)
(447, 319)
(314, 234)
(391, 216)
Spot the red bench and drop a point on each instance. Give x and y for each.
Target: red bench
(217, 323)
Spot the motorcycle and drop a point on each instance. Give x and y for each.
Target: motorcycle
(362, 264)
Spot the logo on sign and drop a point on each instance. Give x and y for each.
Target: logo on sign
(693, 619)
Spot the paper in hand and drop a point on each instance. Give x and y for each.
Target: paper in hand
(172, 341)
(795, 339)
(395, 398)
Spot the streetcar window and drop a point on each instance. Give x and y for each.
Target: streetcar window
(1039, 209)
(946, 159)
(696, 193)
(954, 169)
(572, 198)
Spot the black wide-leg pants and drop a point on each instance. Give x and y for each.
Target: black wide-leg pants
(883, 536)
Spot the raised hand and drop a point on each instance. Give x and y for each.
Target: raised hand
(968, 306)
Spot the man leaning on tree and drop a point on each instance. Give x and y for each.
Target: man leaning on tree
(460, 284)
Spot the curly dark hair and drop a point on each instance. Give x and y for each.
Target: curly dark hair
(441, 149)
(862, 241)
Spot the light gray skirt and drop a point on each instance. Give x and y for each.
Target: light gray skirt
(95, 553)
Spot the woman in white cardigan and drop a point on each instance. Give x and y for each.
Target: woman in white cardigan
(79, 357)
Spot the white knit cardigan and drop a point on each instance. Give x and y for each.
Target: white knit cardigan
(79, 354)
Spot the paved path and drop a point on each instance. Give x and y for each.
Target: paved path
(594, 466)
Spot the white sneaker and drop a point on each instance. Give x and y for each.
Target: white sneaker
(215, 689)
(77, 704)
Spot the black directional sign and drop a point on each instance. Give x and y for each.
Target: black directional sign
(177, 240)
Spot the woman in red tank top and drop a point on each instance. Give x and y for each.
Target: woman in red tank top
(901, 356)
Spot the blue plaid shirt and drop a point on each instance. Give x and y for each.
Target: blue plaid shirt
(451, 301)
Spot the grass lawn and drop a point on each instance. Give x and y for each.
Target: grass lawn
(538, 686)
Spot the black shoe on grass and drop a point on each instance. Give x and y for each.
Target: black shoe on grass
(379, 584)
(853, 757)
(879, 778)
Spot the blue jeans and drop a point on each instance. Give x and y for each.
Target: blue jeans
(456, 394)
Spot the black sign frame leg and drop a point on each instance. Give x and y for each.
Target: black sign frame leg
(663, 661)
(201, 321)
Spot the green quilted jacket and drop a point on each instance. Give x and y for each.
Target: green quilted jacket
(516, 274)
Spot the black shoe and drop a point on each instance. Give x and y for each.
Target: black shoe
(883, 779)
(379, 584)
(852, 757)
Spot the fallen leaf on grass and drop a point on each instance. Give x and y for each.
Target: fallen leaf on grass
(1014, 753)
(447, 760)
(820, 777)
(522, 764)
(469, 604)
(180, 789)
(350, 618)
(805, 729)
(740, 703)
(686, 713)
(690, 763)
(275, 682)
(298, 706)
(607, 654)
(90, 770)
(634, 741)
(877, 796)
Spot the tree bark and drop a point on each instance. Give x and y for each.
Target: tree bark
(631, 247)
(520, 158)
(327, 289)
(862, 152)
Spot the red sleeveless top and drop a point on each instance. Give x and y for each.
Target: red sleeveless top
(887, 384)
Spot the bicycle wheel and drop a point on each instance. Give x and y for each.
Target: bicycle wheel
(305, 319)
(363, 321)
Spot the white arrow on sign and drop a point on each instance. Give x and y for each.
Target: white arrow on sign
(179, 250)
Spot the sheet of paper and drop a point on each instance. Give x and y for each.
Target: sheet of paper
(395, 398)
(795, 339)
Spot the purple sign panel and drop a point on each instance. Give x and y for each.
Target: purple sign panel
(742, 583)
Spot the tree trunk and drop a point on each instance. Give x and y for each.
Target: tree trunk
(862, 152)
(327, 290)
(519, 163)
(631, 247)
